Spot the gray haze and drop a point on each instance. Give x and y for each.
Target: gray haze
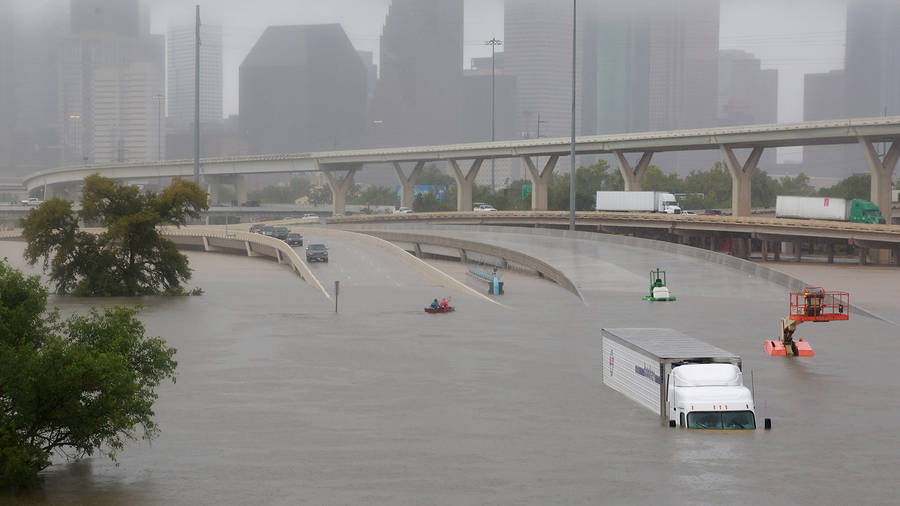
(795, 38)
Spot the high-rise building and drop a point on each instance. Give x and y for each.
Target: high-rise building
(748, 94)
(684, 57)
(110, 17)
(872, 59)
(110, 70)
(616, 68)
(419, 92)
(538, 53)
(302, 88)
(180, 49)
(476, 117)
(38, 143)
(7, 87)
(368, 60)
(824, 99)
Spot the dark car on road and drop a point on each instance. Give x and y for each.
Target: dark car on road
(256, 228)
(250, 203)
(316, 253)
(280, 233)
(294, 239)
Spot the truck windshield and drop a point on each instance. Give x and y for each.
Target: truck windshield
(721, 420)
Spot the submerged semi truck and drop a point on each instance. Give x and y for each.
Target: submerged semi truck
(653, 202)
(688, 382)
(827, 208)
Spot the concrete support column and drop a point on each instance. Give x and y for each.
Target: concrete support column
(764, 249)
(897, 255)
(540, 181)
(882, 170)
(50, 191)
(829, 248)
(214, 187)
(464, 183)
(339, 187)
(633, 176)
(740, 179)
(797, 250)
(240, 189)
(863, 255)
(408, 183)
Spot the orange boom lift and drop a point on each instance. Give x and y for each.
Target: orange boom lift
(813, 304)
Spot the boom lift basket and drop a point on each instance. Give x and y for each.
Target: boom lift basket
(814, 304)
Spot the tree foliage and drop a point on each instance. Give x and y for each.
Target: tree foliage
(75, 387)
(298, 187)
(130, 257)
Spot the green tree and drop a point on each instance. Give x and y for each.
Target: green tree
(655, 180)
(75, 387)
(763, 189)
(714, 184)
(130, 257)
(427, 202)
(375, 195)
(796, 186)
(319, 195)
(588, 180)
(857, 186)
(298, 187)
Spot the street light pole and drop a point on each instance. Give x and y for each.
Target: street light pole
(76, 118)
(159, 104)
(494, 42)
(572, 147)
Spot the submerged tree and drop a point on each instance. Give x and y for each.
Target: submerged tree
(75, 387)
(130, 257)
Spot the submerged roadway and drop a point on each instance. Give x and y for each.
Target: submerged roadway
(279, 400)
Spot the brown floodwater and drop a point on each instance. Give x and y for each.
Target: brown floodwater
(280, 400)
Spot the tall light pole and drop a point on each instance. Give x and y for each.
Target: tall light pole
(159, 98)
(494, 42)
(572, 148)
(76, 118)
(197, 100)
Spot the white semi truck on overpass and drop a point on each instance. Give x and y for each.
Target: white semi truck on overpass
(654, 202)
(688, 382)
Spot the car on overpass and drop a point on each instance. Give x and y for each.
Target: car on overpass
(482, 207)
(32, 201)
(403, 210)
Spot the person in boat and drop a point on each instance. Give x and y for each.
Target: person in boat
(444, 304)
(435, 304)
(658, 282)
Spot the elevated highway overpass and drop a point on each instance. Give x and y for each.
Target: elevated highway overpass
(741, 236)
(466, 160)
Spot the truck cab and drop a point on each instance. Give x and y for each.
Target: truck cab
(863, 211)
(667, 204)
(709, 396)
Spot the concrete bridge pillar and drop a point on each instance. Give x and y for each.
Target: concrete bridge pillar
(740, 179)
(882, 170)
(240, 188)
(633, 176)
(50, 191)
(339, 187)
(214, 187)
(464, 183)
(541, 181)
(408, 183)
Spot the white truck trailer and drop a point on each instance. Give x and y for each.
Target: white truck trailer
(827, 208)
(654, 202)
(688, 382)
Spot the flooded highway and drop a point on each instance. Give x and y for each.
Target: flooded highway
(280, 400)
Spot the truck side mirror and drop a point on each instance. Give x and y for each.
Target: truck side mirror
(768, 423)
(671, 423)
